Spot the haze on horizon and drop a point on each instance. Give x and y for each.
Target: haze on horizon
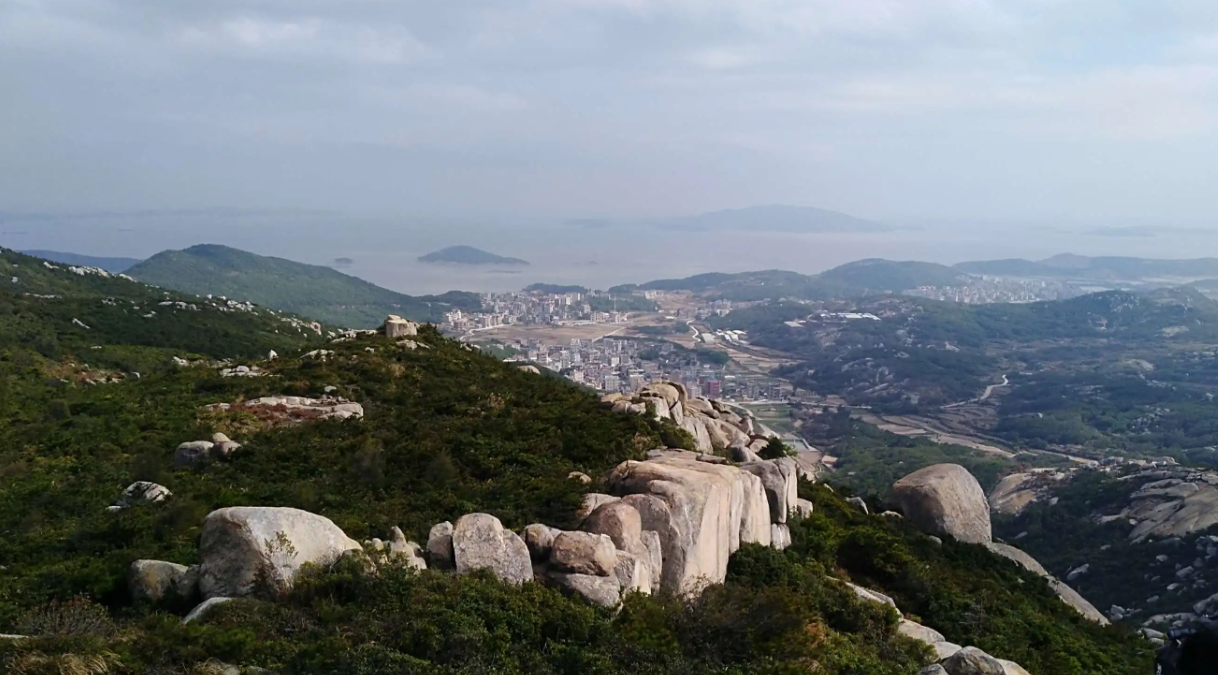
(995, 111)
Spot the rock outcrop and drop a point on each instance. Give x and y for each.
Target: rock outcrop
(702, 512)
(440, 546)
(397, 327)
(479, 541)
(713, 424)
(944, 499)
(242, 546)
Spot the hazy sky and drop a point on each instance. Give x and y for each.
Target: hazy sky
(889, 109)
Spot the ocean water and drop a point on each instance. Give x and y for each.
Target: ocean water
(384, 249)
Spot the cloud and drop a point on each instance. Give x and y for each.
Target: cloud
(308, 37)
(936, 104)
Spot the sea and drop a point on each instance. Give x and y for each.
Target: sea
(384, 249)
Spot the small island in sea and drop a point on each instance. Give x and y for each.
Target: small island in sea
(468, 255)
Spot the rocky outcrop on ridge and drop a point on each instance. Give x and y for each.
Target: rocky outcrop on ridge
(1015, 492)
(701, 511)
(945, 499)
(713, 424)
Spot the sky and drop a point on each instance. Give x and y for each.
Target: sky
(995, 111)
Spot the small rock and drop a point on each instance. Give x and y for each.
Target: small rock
(803, 508)
(858, 503)
(141, 491)
(192, 454)
(153, 580)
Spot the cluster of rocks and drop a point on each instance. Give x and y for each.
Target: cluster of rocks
(197, 453)
(946, 500)
(670, 522)
(242, 371)
(711, 423)
(294, 408)
(714, 425)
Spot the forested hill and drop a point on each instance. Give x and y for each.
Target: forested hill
(62, 312)
(442, 431)
(310, 290)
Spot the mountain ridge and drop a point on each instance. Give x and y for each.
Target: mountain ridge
(312, 290)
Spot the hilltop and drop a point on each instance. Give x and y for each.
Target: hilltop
(432, 434)
(312, 290)
(468, 255)
(1111, 267)
(855, 279)
(112, 265)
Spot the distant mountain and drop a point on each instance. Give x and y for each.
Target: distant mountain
(777, 218)
(310, 290)
(112, 265)
(876, 274)
(468, 255)
(854, 279)
(1110, 267)
(554, 288)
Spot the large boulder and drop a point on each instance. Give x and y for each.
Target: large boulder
(154, 580)
(1012, 668)
(397, 327)
(583, 553)
(972, 661)
(243, 546)
(603, 591)
(440, 546)
(540, 539)
(620, 522)
(916, 631)
(593, 501)
(669, 392)
(633, 573)
(192, 454)
(945, 499)
(481, 542)
(702, 512)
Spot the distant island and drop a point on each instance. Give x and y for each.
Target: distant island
(343, 262)
(468, 255)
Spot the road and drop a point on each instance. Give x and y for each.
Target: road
(989, 391)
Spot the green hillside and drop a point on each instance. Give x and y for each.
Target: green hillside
(446, 431)
(309, 290)
(112, 321)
